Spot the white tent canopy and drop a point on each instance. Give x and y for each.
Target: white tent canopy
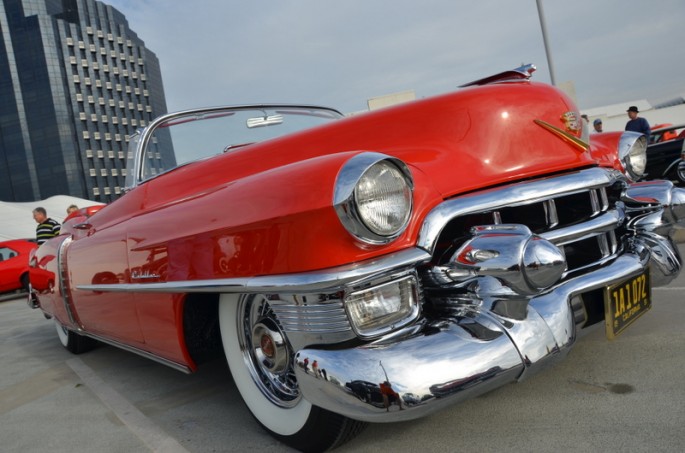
(16, 219)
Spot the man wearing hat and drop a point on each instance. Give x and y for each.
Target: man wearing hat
(637, 124)
(598, 125)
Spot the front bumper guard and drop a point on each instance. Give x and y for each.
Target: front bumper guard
(463, 355)
(478, 346)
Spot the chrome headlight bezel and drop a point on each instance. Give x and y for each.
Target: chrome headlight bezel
(352, 185)
(632, 152)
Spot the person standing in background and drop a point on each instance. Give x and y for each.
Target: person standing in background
(47, 228)
(636, 123)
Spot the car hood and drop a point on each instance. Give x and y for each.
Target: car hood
(462, 141)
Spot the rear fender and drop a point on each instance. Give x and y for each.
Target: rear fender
(44, 276)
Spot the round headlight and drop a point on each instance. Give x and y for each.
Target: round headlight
(373, 197)
(632, 152)
(383, 199)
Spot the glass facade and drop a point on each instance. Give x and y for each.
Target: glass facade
(75, 82)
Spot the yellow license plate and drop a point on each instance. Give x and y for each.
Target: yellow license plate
(625, 302)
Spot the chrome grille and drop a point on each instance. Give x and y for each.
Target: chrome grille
(296, 314)
(574, 211)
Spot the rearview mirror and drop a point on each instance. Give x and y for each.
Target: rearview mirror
(267, 120)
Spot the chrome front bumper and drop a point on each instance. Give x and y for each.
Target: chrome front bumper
(477, 345)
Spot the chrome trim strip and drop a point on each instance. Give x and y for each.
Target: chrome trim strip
(63, 285)
(516, 194)
(600, 224)
(148, 355)
(315, 281)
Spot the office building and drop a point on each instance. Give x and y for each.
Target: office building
(75, 82)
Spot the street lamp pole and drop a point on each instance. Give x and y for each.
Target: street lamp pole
(543, 25)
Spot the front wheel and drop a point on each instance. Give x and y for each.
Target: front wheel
(261, 361)
(74, 342)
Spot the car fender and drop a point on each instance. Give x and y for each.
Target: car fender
(273, 222)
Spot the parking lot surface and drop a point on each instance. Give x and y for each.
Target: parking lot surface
(622, 395)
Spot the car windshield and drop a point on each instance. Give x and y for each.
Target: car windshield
(178, 139)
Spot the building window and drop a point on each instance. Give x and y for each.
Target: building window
(93, 172)
(103, 172)
(96, 191)
(86, 135)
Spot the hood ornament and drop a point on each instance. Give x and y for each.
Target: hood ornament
(566, 136)
(571, 121)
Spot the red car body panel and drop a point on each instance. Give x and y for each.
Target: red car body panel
(165, 228)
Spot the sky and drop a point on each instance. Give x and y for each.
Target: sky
(340, 54)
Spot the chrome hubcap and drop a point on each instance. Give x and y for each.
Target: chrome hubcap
(266, 351)
(270, 348)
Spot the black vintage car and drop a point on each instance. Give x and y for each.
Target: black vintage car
(665, 154)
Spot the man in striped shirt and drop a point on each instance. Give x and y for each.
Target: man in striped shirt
(47, 228)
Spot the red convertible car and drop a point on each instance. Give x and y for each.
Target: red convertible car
(375, 268)
(14, 264)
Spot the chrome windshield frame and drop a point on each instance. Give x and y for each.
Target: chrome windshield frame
(144, 135)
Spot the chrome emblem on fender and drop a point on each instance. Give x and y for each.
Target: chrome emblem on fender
(138, 275)
(571, 121)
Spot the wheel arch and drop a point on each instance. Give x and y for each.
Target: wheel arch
(200, 327)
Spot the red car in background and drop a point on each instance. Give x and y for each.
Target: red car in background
(14, 264)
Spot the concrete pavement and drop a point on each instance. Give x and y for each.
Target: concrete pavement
(609, 396)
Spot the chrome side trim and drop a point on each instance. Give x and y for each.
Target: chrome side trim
(63, 281)
(315, 281)
(593, 227)
(514, 195)
(148, 355)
